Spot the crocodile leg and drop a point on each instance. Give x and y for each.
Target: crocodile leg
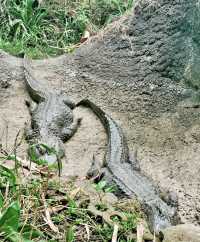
(28, 132)
(68, 132)
(31, 106)
(94, 169)
(170, 197)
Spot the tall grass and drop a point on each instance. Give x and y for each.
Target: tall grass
(51, 28)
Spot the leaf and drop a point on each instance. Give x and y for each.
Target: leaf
(8, 175)
(1, 200)
(14, 236)
(72, 206)
(29, 232)
(9, 223)
(69, 234)
(110, 189)
(101, 185)
(16, 21)
(10, 218)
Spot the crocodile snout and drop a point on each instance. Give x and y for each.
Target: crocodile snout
(43, 153)
(50, 158)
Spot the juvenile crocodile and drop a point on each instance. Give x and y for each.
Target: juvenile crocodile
(51, 119)
(126, 175)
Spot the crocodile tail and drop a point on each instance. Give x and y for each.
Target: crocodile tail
(98, 111)
(108, 124)
(35, 88)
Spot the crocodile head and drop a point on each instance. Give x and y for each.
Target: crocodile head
(49, 150)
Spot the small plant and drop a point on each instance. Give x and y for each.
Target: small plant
(11, 228)
(105, 187)
(7, 177)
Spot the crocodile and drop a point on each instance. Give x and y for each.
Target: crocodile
(52, 121)
(126, 175)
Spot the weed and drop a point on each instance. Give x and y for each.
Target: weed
(69, 234)
(10, 226)
(105, 187)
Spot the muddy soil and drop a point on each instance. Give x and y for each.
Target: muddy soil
(168, 145)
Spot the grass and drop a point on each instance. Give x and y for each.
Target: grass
(50, 29)
(43, 208)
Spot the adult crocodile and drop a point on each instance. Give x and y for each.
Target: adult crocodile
(128, 177)
(52, 120)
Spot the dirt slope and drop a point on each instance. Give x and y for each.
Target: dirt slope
(168, 145)
(134, 70)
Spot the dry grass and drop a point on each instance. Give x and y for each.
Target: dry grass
(45, 208)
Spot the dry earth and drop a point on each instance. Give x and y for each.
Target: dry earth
(168, 145)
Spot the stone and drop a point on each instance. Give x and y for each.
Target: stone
(182, 233)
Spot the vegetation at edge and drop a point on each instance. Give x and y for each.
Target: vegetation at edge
(50, 27)
(43, 208)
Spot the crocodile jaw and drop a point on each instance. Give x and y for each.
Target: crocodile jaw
(50, 150)
(50, 159)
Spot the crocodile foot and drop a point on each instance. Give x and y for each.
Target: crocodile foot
(68, 132)
(94, 170)
(170, 198)
(31, 106)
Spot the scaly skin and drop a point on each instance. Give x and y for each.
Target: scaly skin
(128, 178)
(51, 119)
